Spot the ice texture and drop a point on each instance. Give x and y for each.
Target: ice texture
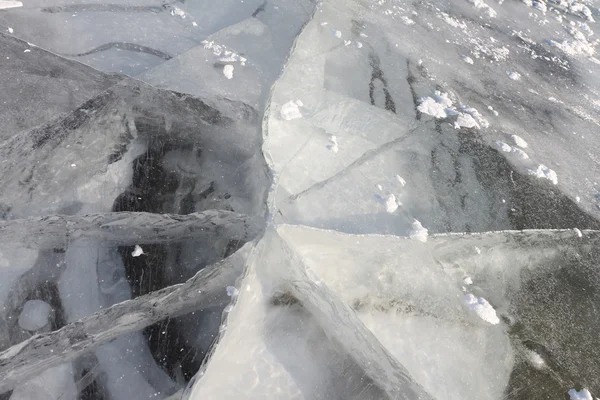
(342, 186)
(35, 315)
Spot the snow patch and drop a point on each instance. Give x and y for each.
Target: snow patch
(536, 360)
(482, 308)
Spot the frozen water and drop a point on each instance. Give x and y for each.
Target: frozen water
(35, 315)
(328, 135)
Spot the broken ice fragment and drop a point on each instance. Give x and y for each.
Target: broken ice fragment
(337, 34)
(10, 30)
(482, 308)
(583, 394)
(291, 110)
(578, 232)
(467, 280)
(418, 232)
(515, 76)
(468, 60)
(228, 71)
(137, 251)
(35, 315)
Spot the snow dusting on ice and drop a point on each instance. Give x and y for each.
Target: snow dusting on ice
(482, 308)
(35, 315)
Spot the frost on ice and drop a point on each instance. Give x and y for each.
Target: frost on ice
(482, 308)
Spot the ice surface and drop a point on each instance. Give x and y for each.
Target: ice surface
(328, 134)
(35, 315)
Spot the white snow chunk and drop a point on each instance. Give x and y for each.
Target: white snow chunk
(536, 360)
(194, 23)
(324, 23)
(333, 146)
(137, 251)
(578, 232)
(577, 199)
(583, 394)
(468, 60)
(179, 12)
(232, 291)
(540, 6)
(359, 45)
(482, 308)
(418, 232)
(465, 121)
(438, 106)
(10, 30)
(518, 140)
(347, 42)
(337, 34)
(291, 110)
(391, 204)
(380, 188)
(401, 180)
(4, 4)
(480, 4)
(35, 315)
(228, 71)
(407, 20)
(504, 146)
(515, 76)
(544, 172)
(26, 51)
(467, 280)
